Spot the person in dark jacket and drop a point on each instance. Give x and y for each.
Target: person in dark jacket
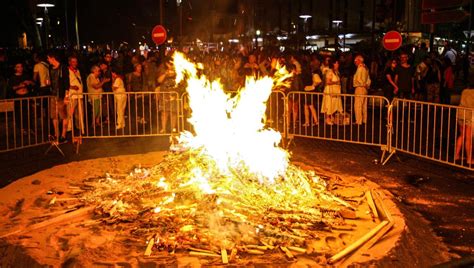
(59, 75)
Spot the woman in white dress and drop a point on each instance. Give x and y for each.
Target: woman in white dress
(332, 102)
(120, 99)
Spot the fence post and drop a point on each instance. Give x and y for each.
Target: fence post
(388, 147)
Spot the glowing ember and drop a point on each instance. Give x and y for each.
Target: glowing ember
(230, 185)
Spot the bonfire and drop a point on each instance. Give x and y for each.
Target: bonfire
(226, 185)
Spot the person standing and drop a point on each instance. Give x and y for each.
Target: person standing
(421, 71)
(21, 86)
(107, 100)
(95, 86)
(120, 98)
(390, 87)
(361, 83)
(405, 78)
(465, 118)
(41, 75)
(448, 81)
(168, 105)
(312, 82)
(135, 83)
(332, 102)
(293, 104)
(433, 79)
(59, 75)
(75, 94)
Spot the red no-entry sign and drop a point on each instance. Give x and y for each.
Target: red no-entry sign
(158, 34)
(392, 40)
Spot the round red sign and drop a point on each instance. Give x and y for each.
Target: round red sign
(158, 34)
(392, 40)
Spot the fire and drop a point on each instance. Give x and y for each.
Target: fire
(231, 184)
(231, 130)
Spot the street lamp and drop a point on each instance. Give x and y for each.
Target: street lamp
(338, 23)
(305, 18)
(257, 35)
(45, 4)
(180, 16)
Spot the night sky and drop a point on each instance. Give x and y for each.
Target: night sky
(104, 20)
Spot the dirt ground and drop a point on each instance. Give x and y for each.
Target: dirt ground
(440, 196)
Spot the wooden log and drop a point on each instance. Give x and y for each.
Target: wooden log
(259, 247)
(369, 244)
(233, 254)
(202, 250)
(342, 202)
(371, 203)
(287, 253)
(55, 220)
(150, 245)
(255, 251)
(384, 211)
(297, 249)
(376, 238)
(357, 243)
(342, 227)
(225, 259)
(203, 254)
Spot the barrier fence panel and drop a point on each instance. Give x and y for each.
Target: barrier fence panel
(334, 117)
(433, 131)
(275, 114)
(128, 114)
(24, 122)
(442, 133)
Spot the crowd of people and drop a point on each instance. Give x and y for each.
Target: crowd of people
(418, 74)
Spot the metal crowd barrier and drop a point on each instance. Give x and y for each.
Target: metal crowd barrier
(433, 131)
(128, 114)
(24, 122)
(441, 133)
(309, 117)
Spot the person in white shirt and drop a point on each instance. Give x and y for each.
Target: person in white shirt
(451, 54)
(120, 99)
(361, 84)
(94, 85)
(75, 94)
(41, 75)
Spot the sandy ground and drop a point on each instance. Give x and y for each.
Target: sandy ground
(73, 241)
(441, 200)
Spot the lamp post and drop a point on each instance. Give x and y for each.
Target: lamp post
(180, 17)
(305, 18)
(257, 36)
(338, 23)
(45, 5)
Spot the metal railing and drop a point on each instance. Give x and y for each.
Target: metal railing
(438, 132)
(24, 122)
(128, 114)
(441, 133)
(332, 117)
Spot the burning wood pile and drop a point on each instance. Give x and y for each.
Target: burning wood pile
(227, 187)
(226, 190)
(186, 203)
